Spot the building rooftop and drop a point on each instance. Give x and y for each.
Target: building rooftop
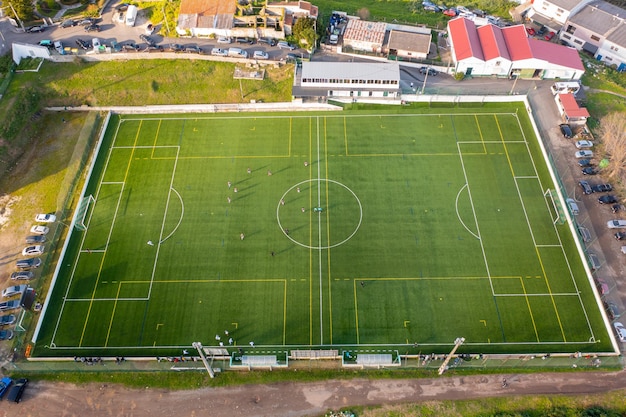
(517, 42)
(364, 31)
(465, 39)
(206, 14)
(493, 43)
(351, 70)
(618, 36)
(556, 54)
(599, 17)
(406, 41)
(565, 4)
(571, 107)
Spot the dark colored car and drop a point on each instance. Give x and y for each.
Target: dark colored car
(16, 391)
(193, 49)
(611, 310)
(22, 275)
(28, 263)
(542, 31)
(566, 130)
(115, 47)
(607, 199)
(121, 7)
(586, 187)
(154, 48)
(5, 383)
(92, 28)
(243, 40)
(601, 188)
(36, 239)
(9, 305)
(36, 29)
(175, 47)
(6, 334)
(87, 22)
(86, 45)
(616, 207)
(7, 319)
(430, 71)
(147, 39)
(620, 236)
(269, 41)
(69, 23)
(589, 171)
(584, 163)
(130, 47)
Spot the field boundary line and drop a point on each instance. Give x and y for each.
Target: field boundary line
(562, 294)
(310, 235)
(328, 240)
(111, 182)
(456, 207)
(117, 207)
(180, 220)
(145, 147)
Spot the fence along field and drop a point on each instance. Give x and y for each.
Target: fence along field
(369, 230)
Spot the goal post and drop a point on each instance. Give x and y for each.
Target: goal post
(558, 216)
(82, 210)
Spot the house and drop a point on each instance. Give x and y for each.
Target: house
(509, 52)
(407, 45)
(599, 28)
(570, 110)
(206, 17)
(554, 13)
(349, 79)
(362, 35)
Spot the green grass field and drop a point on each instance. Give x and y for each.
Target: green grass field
(433, 226)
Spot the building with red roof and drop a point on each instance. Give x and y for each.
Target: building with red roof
(508, 52)
(570, 110)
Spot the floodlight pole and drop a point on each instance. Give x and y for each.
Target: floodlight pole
(458, 342)
(198, 347)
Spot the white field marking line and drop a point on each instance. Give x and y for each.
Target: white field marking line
(567, 261)
(92, 250)
(69, 285)
(492, 142)
(111, 182)
(549, 246)
(319, 227)
(78, 300)
(469, 193)
(145, 147)
(182, 214)
(456, 207)
(568, 294)
(167, 204)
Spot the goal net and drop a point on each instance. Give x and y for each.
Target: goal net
(81, 213)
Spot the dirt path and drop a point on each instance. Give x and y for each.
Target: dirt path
(293, 399)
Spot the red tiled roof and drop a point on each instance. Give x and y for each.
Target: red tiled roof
(465, 39)
(571, 106)
(207, 7)
(517, 42)
(556, 54)
(492, 42)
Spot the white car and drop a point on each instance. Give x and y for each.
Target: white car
(15, 289)
(224, 39)
(40, 230)
(286, 45)
(46, 218)
(96, 44)
(584, 144)
(583, 154)
(219, 52)
(616, 224)
(260, 55)
(620, 330)
(33, 250)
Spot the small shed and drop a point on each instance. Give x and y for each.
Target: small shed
(570, 110)
(408, 45)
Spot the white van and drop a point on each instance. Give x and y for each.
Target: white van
(131, 15)
(565, 87)
(237, 53)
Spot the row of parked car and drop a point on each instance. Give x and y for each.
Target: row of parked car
(584, 156)
(15, 389)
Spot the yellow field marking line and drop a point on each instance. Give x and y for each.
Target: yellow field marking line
(356, 312)
(155, 138)
(407, 154)
(330, 297)
(95, 287)
(117, 296)
(530, 311)
(506, 151)
(480, 132)
(545, 278)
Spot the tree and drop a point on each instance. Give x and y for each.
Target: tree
(23, 8)
(304, 31)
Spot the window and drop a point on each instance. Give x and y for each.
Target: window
(595, 38)
(559, 10)
(608, 58)
(571, 29)
(614, 48)
(566, 36)
(498, 63)
(579, 42)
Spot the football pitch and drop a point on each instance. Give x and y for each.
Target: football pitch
(370, 229)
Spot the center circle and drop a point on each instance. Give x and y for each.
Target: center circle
(344, 212)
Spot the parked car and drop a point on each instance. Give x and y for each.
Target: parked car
(175, 47)
(36, 239)
(531, 31)
(22, 275)
(39, 230)
(35, 29)
(154, 48)
(542, 30)
(285, 45)
(6, 334)
(566, 130)
(584, 163)
(244, 40)
(147, 39)
(87, 22)
(260, 55)
(573, 207)
(5, 383)
(269, 41)
(603, 287)
(83, 44)
(620, 236)
(616, 224)
(92, 28)
(620, 330)
(14, 290)
(607, 199)
(96, 43)
(122, 7)
(589, 171)
(219, 52)
(45, 218)
(430, 71)
(450, 12)
(68, 23)
(115, 47)
(130, 47)
(601, 188)
(584, 154)
(9, 305)
(581, 144)
(47, 43)
(28, 263)
(150, 29)
(193, 49)
(58, 46)
(549, 36)
(16, 391)
(33, 250)
(7, 319)
(224, 39)
(586, 187)
(612, 310)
